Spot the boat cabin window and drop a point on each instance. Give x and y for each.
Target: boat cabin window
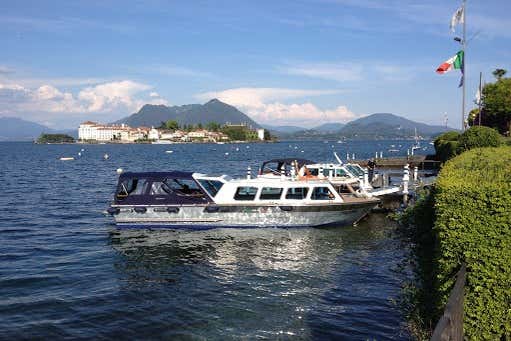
(211, 186)
(245, 193)
(131, 186)
(298, 193)
(159, 188)
(355, 170)
(339, 172)
(322, 193)
(314, 171)
(270, 193)
(183, 187)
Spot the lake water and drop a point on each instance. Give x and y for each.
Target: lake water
(66, 272)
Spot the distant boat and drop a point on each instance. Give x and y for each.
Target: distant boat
(393, 150)
(169, 151)
(220, 143)
(66, 158)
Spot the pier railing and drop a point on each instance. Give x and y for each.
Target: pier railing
(450, 325)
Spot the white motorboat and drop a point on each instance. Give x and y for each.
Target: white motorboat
(196, 201)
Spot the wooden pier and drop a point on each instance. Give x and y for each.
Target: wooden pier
(422, 162)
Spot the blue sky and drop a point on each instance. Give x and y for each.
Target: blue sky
(282, 62)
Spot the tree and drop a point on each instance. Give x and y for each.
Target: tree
(473, 117)
(478, 137)
(171, 125)
(497, 105)
(213, 126)
(499, 73)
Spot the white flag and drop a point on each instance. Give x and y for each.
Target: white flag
(457, 18)
(478, 97)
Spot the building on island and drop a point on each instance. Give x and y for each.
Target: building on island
(96, 132)
(92, 131)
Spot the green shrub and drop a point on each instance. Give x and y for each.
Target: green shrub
(446, 145)
(478, 136)
(473, 225)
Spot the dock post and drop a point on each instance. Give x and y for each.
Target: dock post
(249, 173)
(353, 156)
(408, 152)
(385, 180)
(406, 178)
(366, 178)
(376, 155)
(415, 173)
(381, 155)
(347, 156)
(282, 173)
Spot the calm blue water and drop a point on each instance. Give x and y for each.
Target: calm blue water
(66, 272)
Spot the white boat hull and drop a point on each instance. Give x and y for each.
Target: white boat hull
(200, 217)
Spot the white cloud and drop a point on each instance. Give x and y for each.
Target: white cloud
(48, 103)
(340, 72)
(172, 70)
(257, 97)
(108, 96)
(265, 105)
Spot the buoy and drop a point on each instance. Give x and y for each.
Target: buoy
(237, 149)
(82, 150)
(79, 153)
(226, 153)
(106, 156)
(169, 151)
(119, 171)
(301, 151)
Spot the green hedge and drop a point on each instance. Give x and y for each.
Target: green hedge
(473, 224)
(446, 145)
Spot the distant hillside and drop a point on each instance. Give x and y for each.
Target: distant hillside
(378, 126)
(329, 127)
(16, 129)
(213, 111)
(282, 129)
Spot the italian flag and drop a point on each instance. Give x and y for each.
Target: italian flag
(455, 62)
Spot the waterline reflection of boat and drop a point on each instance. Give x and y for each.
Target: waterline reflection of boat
(197, 201)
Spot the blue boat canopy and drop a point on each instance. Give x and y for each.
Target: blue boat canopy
(159, 188)
(157, 175)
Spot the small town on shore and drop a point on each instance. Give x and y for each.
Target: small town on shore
(168, 132)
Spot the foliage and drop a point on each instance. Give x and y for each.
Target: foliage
(446, 145)
(499, 73)
(170, 125)
(478, 136)
(235, 133)
(213, 126)
(497, 105)
(55, 138)
(421, 297)
(473, 225)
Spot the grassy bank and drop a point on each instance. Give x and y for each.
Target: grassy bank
(466, 218)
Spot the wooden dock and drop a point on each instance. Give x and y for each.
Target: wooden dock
(422, 162)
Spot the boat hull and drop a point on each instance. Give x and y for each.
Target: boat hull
(212, 216)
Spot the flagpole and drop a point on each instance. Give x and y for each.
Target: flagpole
(464, 65)
(480, 95)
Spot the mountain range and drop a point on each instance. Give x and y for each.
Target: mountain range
(375, 126)
(17, 129)
(212, 111)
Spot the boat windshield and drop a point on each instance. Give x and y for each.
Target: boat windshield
(211, 186)
(355, 170)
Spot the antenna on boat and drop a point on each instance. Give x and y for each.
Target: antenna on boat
(338, 158)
